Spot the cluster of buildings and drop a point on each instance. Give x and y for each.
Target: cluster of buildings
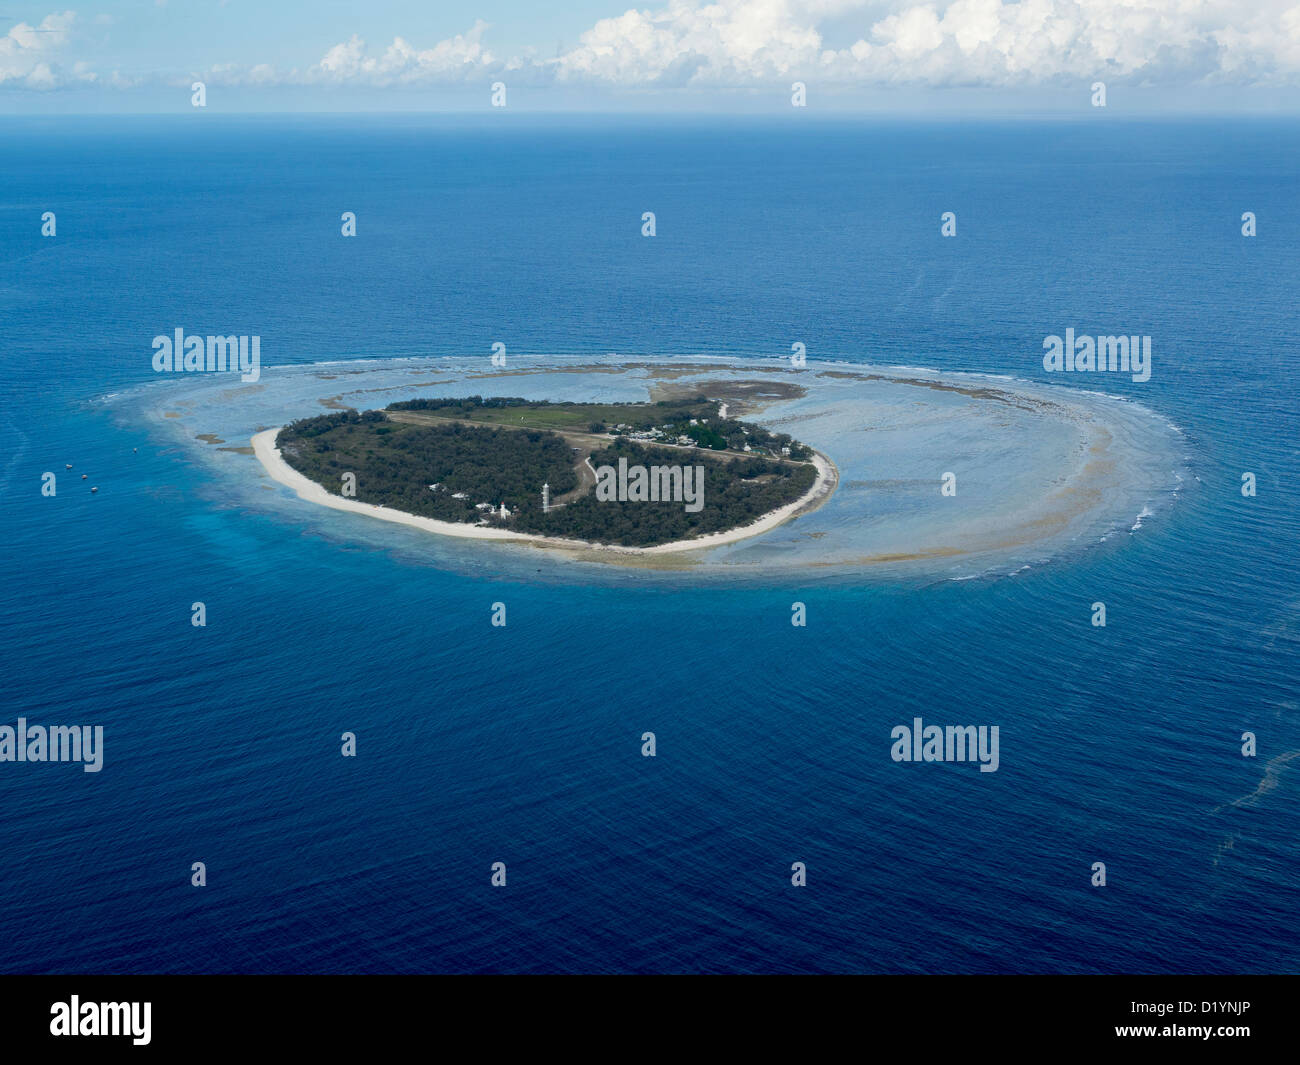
(485, 508)
(662, 435)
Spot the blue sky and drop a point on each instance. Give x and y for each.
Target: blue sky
(1004, 56)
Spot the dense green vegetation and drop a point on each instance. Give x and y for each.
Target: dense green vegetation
(395, 464)
(736, 492)
(464, 455)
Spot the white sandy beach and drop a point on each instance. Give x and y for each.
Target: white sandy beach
(269, 456)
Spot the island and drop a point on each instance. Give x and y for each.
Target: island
(666, 475)
(949, 474)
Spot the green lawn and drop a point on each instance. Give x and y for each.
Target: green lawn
(576, 416)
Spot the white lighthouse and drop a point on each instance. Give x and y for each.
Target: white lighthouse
(546, 499)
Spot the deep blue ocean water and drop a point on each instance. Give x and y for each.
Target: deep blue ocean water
(522, 744)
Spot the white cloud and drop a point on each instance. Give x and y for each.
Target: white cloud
(981, 42)
(26, 52)
(456, 59)
(710, 44)
(727, 41)
(453, 59)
